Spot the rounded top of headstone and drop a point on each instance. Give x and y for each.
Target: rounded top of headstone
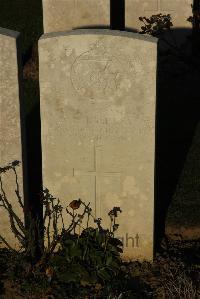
(100, 32)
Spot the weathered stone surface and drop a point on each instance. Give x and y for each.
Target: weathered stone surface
(179, 10)
(62, 15)
(98, 98)
(10, 129)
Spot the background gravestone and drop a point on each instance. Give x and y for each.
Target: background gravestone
(10, 128)
(179, 10)
(98, 98)
(61, 15)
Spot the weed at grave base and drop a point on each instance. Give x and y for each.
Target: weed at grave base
(89, 259)
(88, 265)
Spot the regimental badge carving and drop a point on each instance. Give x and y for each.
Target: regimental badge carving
(100, 74)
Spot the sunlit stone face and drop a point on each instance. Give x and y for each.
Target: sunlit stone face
(10, 130)
(98, 97)
(62, 15)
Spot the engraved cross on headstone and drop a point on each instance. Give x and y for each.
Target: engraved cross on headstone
(97, 173)
(158, 6)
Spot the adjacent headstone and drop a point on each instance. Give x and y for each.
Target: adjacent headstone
(98, 99)
(10, 129)
(62, 15)
(179, 10)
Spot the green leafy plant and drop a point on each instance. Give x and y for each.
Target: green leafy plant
(88, 258)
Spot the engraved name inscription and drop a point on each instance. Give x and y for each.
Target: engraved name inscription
(101, 127)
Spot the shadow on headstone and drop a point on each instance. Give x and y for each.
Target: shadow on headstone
(92, 27)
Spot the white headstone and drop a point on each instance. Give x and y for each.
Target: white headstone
(62, 15)
(10, 129)
(179, 10)
(98, 100)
